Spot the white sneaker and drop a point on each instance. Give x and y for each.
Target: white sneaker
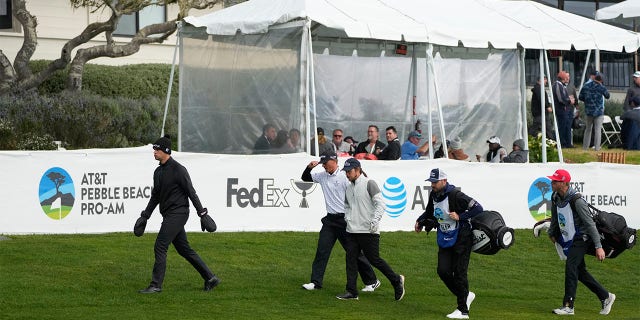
(371, 287)
(607, 303)
(563, 311)
(310, 286)
(470, 298)
(457, 314)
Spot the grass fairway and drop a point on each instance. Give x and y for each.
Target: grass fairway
(97, 277)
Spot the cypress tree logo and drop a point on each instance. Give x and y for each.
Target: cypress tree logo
(56, 193)
(539, 198)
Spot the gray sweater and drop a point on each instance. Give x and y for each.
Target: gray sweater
(363, 205)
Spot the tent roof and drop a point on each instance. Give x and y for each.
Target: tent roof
(626, 9)
(473, 23)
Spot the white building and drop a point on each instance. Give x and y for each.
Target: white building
(58, 22)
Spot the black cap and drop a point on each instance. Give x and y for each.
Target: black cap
(347, 138)
(350, 164)
(328, 155)
(163, 144)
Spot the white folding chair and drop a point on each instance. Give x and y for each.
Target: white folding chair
(610, 132)
(618, 121)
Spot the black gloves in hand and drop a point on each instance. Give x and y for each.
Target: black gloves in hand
(145, 214)
(141, 224)
(206, 222)
(428, 224)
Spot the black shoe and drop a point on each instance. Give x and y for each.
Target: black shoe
(399, 289)
(211, 283)
(347, 296)
(151, 289)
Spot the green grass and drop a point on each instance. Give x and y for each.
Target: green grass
(577, 155)
(97, 277)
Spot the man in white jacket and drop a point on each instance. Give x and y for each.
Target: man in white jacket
(364, 207)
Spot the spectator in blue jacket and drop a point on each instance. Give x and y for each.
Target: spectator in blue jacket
(593, 94)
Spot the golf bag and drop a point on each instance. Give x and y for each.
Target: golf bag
(490, 234)
(615, 235)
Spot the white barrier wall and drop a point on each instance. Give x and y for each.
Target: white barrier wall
(105, 190)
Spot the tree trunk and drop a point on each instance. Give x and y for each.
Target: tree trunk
(7, 74)
(74, 79)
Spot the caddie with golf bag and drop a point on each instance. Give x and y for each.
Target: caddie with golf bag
(573, 229)
(449, 211)
(172, 189)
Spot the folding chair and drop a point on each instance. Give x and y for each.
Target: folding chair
(610, 132)
(618, 122)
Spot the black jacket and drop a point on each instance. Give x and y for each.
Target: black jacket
(172, 189)
(391, 151)
(363, 145)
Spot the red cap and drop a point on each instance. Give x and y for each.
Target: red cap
(560, 175)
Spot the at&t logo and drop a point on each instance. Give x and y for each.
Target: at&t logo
(395, 196)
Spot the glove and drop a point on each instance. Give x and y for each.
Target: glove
(206, 222)
(145, 214)
(428, 224)
(373, 228)
(141, 224)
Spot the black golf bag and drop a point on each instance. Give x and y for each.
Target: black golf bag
(490, 234)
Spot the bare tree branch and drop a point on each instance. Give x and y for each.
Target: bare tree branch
(19, 77)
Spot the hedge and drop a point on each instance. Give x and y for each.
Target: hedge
(135, 81)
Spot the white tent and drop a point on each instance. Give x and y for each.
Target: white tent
(308, 63)
(474, 23)
(626, 10)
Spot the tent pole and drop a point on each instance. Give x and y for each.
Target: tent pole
(440, 118)
(523, 98)
(584, 70)
(414, 79)
(179, 44)
(543, 106)
(553, 108)
(311, 92)
(411, 94)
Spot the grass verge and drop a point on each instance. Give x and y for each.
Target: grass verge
(97, 277)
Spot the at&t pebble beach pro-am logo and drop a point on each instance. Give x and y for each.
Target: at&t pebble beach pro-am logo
(395, 196)
(539, 199)
(56, 193)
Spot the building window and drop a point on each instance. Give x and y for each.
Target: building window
(131, 23)
(6, 19)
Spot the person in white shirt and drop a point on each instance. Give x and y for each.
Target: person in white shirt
(334, 184)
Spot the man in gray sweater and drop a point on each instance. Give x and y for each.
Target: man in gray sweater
(364, 207)
(574, 229)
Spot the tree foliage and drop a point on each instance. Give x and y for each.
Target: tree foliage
(19, 77)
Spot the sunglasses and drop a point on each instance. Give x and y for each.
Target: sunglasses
(337, 135)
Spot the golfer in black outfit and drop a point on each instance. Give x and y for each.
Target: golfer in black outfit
(172, 189)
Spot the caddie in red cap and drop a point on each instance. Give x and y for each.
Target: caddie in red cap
(574, 229)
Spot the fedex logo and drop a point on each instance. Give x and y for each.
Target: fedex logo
(265, 194)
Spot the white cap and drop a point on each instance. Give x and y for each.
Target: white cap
(436, 175)
(636, 74)
(494, 139)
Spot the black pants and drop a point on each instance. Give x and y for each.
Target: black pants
(369, 244)
(172, 231)
(334, 228)
(576, 270)
(453, 263)
(565, 120)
